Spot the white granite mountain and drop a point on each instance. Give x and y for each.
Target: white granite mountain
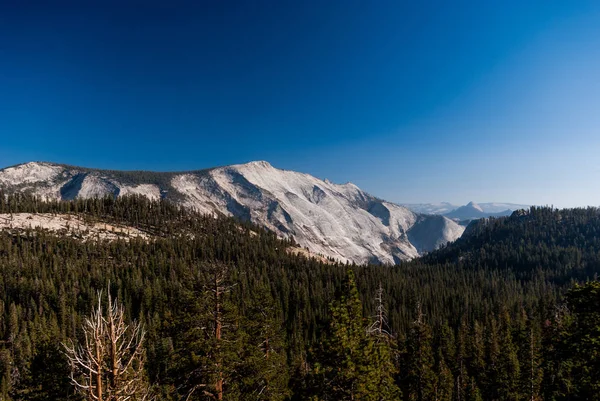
(339, 221)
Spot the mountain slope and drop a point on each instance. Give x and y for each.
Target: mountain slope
(339, 221)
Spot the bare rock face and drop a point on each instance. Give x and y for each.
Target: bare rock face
(339, 221)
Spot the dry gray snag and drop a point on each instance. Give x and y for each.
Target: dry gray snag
(109, 365)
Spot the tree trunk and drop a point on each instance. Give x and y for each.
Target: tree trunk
(114, 366)
(218, 327)
(98, 341)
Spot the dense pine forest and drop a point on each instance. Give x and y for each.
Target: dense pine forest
(224, 310)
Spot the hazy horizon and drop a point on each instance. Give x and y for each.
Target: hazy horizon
(414, 103)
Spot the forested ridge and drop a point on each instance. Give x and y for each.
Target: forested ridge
(494, 316)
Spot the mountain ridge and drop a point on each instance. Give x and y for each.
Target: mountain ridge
(335, 220)
(472, 209)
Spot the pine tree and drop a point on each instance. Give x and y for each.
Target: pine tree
(477, 355)
(418, 370)
(530, 358)
(264, 369)
(49, 376)
(444, 380)
(338, 373)
(356, 362)
(493, 373)
(473, 392)
(445, 359)
(581, 341)
(209, 353)
(461, 377)
(558, 383)
(508, 371)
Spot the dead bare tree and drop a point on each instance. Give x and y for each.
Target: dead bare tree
(109, 365)
(380, 328)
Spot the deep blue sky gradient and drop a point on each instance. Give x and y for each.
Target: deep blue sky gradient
(413, 101)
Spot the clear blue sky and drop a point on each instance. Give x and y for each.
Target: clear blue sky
(415, 101)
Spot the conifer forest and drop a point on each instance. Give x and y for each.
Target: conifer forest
(213, 308)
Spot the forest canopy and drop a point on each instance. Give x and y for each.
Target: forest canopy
(229, 313)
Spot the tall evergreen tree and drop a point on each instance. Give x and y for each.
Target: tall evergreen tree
(444, 383)
(477, 357)
(508, 369)
(209, 355)
(418, 369)
(356, 364)
(473, 392)
(338, 372)
(530, 358)
(461, 377)
(581, 342)
(264, 370)
(557, 381)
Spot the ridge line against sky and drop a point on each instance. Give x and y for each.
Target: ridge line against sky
(414, 103)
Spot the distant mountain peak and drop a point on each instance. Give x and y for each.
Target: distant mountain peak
(443, 208)
(475, 206)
